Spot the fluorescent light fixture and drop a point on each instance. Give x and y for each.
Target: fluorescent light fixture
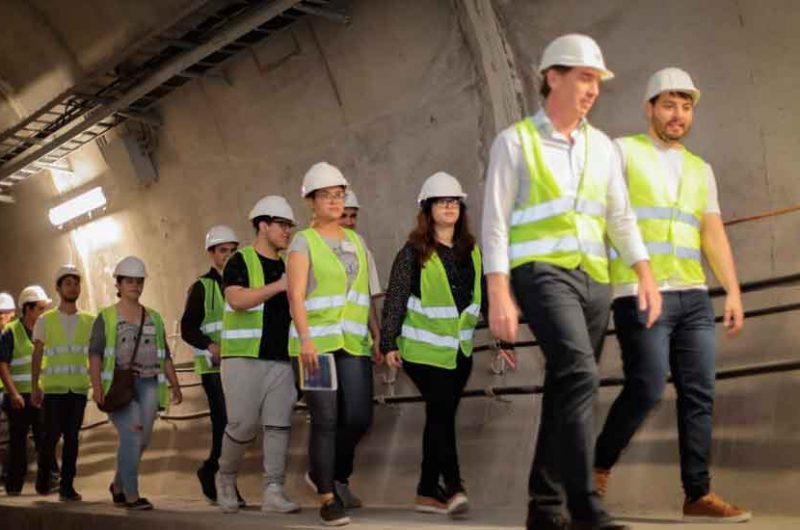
(84, 203)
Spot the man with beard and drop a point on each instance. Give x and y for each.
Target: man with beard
(60, 356)
(675, 198)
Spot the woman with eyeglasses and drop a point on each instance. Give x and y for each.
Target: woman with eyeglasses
(328, 286)
(432, 305)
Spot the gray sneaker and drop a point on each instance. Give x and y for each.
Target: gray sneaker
(227, 499)
(275, 500)
(349, 500)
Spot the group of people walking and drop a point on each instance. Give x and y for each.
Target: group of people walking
(571, 221)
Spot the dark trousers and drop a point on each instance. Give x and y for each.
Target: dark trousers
(441, 389)
(20, 423)
(63, 416)
(339, 420)
(212, 384)
(683, 341)
(568, 313)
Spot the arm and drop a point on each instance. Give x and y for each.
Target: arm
(297, 271)
(396, 302)
(192, 320)
(174, 384)
(37, 396)
(97, 346)
(244, 298)
(17, 400)
(374, 319)
(717, 250)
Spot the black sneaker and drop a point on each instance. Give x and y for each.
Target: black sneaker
(13, 493)
(140, 504)
(332, 513)
(546, 522)
(603, 524)
(206, 478)
(69, 495)
(118, 498)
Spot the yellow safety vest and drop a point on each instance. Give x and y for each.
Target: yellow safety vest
(213, 308)
(23, 357)
(65, 365)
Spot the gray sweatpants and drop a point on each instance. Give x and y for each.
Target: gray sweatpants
(258, 394)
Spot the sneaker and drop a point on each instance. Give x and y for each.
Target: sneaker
(227, 500)
(539, 521)
(712, 508)
(275, 500)
(118, 498)
(349, 500)
(140, 505)
(601, 477)
(606, 524)
(458, 504)
(69, 495)
(206, 478)
(311, 483)
(13, 493)
(332, 513)
(436, 503)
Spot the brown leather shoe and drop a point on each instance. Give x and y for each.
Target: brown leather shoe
(601, 477)
(712, 508)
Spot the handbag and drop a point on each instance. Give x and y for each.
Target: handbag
(120, 393)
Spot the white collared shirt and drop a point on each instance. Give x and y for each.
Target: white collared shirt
(508, 185)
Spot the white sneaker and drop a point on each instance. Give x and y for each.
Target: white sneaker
(227, 500)
(458, 505)
(276, 501)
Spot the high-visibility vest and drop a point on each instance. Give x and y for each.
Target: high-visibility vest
(337, 318)
(213, 309)
(65, 364)
(22, 359)
(242, 330)
(109, 315)
(670, 227)
(433, 330)
(553, 226)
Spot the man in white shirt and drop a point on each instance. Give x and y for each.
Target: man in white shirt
(675, 198)
(554, 193)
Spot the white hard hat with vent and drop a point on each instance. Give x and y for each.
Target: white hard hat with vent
(671, 79)
(272, 206)
(67, 270)
(7, 302)
(130, 267)
(577, 51)
(350, 200)
(322, 175)
(220, 234)
(33, 293)
(440, 184)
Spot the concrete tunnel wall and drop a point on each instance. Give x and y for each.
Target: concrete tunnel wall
(412, 87)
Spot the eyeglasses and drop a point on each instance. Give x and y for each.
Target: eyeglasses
(283, 225)
(330, 196)
(447, 202)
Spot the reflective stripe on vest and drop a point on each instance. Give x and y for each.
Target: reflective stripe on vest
(670, 227)
(213, 309)
(242, 330)
(433, 330)
(20, 368)
(109, 315)
(552, 227)
(66, 361)
(337, 318)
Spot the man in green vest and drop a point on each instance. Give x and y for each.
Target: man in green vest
(675, 197)
(554, 195)
(256, 374)
(16, 355)
(201, 328)
(60, 379)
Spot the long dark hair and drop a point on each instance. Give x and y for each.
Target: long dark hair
(423, 237)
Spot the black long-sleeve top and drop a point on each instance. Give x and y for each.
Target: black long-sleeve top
(195, 312)
(405, 281)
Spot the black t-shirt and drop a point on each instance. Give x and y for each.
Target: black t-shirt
(275, 329)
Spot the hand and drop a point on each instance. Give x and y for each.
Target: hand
(214, 350)
(98, 396)
(308, 356)
(177, 395)
(377, 356)
(734, 314)
(281, 283)
(17, 401)
(503, 317)
(37, 397)
(649, 296)
(393, 359)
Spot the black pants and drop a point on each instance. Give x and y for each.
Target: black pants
(20, 423)
(339, 420)
(63, 416)
(212, 384)
(568, 313)
(441, 389)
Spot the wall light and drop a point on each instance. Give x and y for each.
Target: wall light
(82, 204)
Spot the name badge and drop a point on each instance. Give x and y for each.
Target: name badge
(149, 329)
(349, 247)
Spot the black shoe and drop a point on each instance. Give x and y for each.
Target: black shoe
(141, 504)
(206, 478)
(242, 502)
(69, 495)
(118, 498)
(13, 493)
(537, 521)
(44, 489)
(605, 524)
(332, 513)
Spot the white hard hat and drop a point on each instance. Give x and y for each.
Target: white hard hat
(322, 175)
(440, 184)
(350, 200)
(272, 206)
(671, 80)
(220, 234)
(7, 302)
(130, 267)
(575, 50)
(33, 293)
(67, 270)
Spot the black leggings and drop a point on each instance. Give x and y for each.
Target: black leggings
(339, 420)
(441, 389)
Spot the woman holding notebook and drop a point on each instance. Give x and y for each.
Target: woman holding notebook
(329, 341)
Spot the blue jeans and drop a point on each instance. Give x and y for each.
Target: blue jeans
(683, 341)
(134, 424)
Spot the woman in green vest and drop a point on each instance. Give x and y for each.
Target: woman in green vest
(115, 334)
(328, 287)
(432, 305)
